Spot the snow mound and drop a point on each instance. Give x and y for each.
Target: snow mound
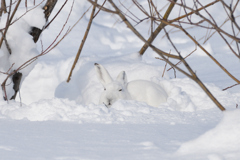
(183, 94)
(121, 112)
(215, 143)
(21, 44)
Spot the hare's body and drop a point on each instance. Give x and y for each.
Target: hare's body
(140, 90)
(147, 91)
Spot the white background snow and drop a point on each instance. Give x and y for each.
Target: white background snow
(63, 121)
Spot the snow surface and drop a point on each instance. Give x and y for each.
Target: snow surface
(63, 121)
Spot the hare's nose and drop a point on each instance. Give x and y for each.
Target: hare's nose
(107, 104)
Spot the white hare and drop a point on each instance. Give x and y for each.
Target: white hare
(140, 90)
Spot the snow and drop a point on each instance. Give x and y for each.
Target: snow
(224, 137)
(57, 120)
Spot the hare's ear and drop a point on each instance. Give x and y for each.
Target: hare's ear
(122, 78)
(102, 74)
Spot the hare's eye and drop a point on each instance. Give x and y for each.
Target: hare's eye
(104, 89)
(120, 90)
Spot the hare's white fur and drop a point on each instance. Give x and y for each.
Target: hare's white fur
(140, 90)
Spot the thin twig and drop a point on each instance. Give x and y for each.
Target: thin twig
(57, 14)
(184, 58)
(214, 24)
(230, 87)
(102, 8)
(164, 68)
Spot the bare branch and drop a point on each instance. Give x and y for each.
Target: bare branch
(3, 7)
(158, 29)
(102, 8)
(219, 30)
(195, 77)
(162, 25)
(203, 49)
(83, 41)
(130, 26)
(9, 20)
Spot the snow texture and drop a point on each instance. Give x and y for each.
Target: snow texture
(56, 120)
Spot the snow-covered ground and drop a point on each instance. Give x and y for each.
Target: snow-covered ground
(57, 120)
